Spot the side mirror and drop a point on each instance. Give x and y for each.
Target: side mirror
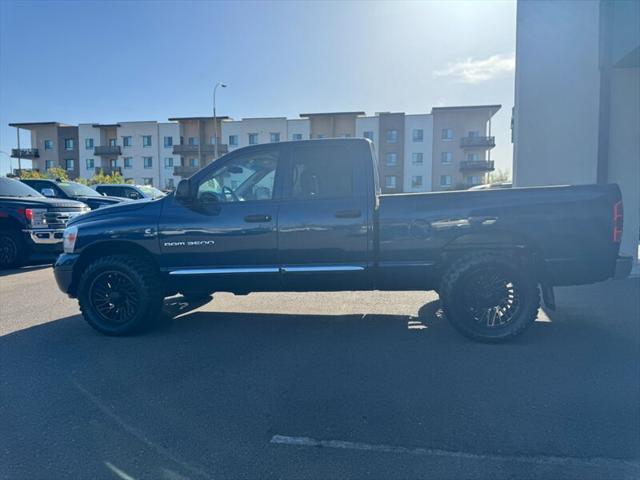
(48, 192)
(184, 191)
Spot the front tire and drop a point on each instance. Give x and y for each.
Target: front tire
(120, 294)
(13, 249)
(489, 297)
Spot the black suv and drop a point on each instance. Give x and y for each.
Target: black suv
(31, 223)
(71, 191)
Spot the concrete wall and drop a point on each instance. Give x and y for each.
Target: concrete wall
(557, 91)
(167, 178)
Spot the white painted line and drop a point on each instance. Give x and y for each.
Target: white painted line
(630, 465)
(119, 473)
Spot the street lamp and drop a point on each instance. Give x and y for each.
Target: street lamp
(215, 124)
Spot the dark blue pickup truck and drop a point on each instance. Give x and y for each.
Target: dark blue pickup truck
(309, 216)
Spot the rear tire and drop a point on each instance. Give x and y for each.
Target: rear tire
(489, 297)
(14, 251)
(120, 294)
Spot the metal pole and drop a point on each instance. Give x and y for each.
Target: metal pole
(19, 153)
(215, 123)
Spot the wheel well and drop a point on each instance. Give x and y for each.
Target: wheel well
(506, 243)
(103, 249)
(9, 224)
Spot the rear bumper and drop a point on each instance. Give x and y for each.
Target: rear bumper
(63, 272)
(623, 267)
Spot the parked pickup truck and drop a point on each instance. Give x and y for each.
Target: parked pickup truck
(309, 216)
(30, 223)
(71, 191)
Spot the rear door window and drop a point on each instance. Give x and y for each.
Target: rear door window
(321, 172)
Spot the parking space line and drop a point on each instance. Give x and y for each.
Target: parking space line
(629, 465)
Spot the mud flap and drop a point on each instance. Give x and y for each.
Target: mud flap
(548, 296)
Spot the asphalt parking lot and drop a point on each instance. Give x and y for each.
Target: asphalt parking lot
(348, 385)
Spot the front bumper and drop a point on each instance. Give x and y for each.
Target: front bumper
(63, 272)
(45, 236)
(623, 267)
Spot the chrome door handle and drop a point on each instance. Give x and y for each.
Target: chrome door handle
(257, 218)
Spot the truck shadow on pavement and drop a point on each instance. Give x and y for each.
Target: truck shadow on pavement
(202, 394)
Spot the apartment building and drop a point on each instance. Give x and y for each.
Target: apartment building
(142, 152)
(53, 144)
(576, 118)
(462, 144)
(196, 148)
(445, 149)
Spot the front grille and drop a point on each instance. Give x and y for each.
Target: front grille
(57, 219)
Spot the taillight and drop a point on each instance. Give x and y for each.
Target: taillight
(35, 216)
(618, 220)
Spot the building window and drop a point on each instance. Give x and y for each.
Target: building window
(417, 158)
(473, 180)
(169, 184)
(474, 133)
(416, 181)
(445, 180)
(446, 158)
(147, 162)
(418, 135)
(48, 164)
(473, 157)
(390, 181)
(68, 143)
(194, 162)
(212, 140)
(447, 134)
(90, 163)
(320, 135)
(126, 141)
(147, 181)
(128, 162)
(168, 162)
(113, 142)
(296, 136)
(368, 134)
(48, 144)
(146, 140)
(233, 140)
(392, 136)
(391, 159)
(69, 164)
(193, 140)
(275, 137)
(88, 143)
(168, 142)
(253, 139)
(113, 163)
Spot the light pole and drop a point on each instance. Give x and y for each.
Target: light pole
(215, 123)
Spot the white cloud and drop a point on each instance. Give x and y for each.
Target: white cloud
(476, 71)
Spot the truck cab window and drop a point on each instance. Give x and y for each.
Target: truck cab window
(321, 172)
(249, 177)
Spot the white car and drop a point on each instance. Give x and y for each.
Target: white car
(125, 190)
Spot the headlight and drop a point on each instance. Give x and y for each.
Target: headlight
(69, 239)
(36, 217)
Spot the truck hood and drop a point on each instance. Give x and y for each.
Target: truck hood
(114, 210)
(44, 202)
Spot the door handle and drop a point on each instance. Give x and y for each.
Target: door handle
(257, 218)
(348, 213)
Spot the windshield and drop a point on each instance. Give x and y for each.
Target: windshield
(15, 188)
(151, 191)
(77, 190)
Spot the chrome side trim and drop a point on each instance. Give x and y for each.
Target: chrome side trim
(323, 268)
(215, 271)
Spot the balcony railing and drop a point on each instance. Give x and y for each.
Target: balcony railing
(108, 170)
(478, 165)
(25, 153)
(184, 171)
(195, 149)
(469, 142)
(109, 150)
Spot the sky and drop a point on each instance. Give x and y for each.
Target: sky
(108, 61)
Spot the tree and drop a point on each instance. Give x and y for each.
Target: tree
(58, 173)
(499, 176)
(30, 174)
